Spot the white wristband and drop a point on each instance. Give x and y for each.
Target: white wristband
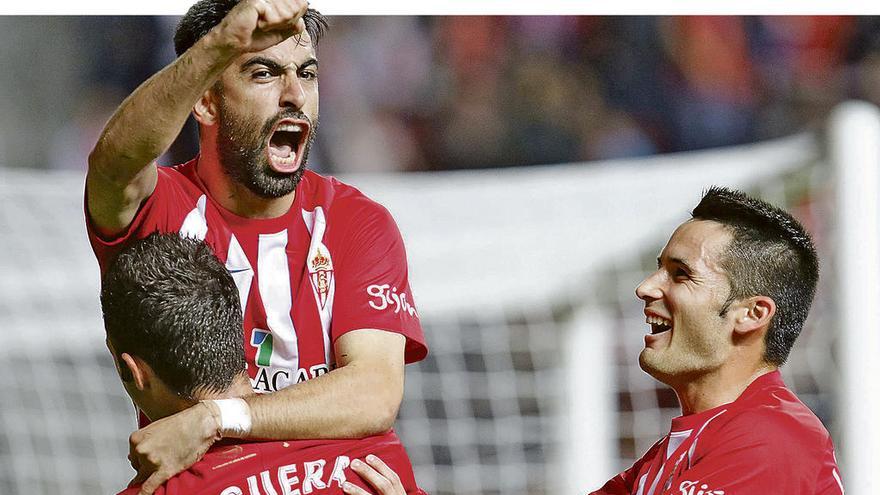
(235, 417)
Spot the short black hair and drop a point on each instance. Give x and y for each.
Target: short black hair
(205, 14)
(771, 254)
(168, 300)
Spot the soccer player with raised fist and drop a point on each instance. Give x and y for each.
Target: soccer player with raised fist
(329, 317)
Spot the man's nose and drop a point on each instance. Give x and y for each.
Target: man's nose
(292, 94)
(649, 289)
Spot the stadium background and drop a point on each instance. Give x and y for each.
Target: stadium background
(509, 265)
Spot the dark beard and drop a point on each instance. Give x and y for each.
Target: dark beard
(242, 151)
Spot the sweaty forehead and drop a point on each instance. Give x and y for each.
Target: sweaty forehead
(701, 243)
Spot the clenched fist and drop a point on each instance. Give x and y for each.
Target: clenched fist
(255, 25)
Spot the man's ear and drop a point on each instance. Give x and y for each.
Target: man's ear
(756, 313)
(205, 110)
(135, 367)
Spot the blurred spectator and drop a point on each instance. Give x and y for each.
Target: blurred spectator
(71, 144)
(470, 129)
(380, 69)
(122, 49)
(714, 100)
(802, 64)
(549, 103)
(869, 78)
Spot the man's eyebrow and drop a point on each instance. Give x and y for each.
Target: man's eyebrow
(273, 65)
(308, 63)
(268, 62)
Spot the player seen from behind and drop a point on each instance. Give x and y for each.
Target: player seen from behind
(173, 321)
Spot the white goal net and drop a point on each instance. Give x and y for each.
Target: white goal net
(524, 279)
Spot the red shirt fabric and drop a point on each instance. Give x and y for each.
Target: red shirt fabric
(766, 441)
(287, 468)
(335, 262)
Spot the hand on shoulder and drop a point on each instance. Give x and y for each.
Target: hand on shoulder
(377, 474)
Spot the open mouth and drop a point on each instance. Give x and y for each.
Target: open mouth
(658, 324)
(286, 145)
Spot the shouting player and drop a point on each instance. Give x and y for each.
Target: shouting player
(731, 292)
(329, 320)
(173, 321)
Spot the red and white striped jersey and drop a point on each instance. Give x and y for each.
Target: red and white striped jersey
(291, 467)
(766, 441)
(335, 262)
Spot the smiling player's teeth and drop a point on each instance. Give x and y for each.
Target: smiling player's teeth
(656, 320)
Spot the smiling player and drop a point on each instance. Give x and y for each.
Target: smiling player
(316, 263)
(731, 292)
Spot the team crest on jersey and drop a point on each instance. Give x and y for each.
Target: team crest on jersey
(321, 273)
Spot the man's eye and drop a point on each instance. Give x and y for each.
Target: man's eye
(308, 75)
(261, 74)
(680, 273)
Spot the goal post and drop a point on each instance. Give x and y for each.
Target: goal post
(854, 148)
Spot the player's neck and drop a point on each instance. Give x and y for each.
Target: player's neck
(722, 386)
(236, 197)
(240, 387)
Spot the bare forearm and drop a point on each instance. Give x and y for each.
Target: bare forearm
(149, 120)
(350, 402)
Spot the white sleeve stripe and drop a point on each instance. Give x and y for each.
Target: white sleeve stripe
(837, 478)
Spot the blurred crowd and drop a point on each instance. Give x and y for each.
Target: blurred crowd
(436, 93)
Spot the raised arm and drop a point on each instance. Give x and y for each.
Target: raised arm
(122, 171)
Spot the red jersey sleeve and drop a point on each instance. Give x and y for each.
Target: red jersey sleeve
(758, 453)
(372, 281)
(622, 484)
(162, 211)
(625, 482)
(828, 481)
